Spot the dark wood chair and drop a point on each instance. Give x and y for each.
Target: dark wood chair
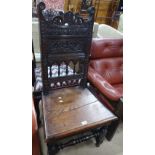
(71, 113)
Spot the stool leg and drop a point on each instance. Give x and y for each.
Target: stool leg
(101, 136)
(52, 149)
(112, 129)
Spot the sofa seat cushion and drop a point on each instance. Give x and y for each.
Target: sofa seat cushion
(103, 85)
(119, 88)
(110, 69)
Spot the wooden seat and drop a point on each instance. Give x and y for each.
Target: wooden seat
(71, 110)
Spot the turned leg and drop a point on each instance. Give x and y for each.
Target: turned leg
(52, 149)
(101, 136)
(112, 129)
(119, 109)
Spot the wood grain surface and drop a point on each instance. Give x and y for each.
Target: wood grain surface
(71, 110)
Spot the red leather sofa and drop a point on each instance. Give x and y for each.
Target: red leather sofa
(105, 71)
(35, 135)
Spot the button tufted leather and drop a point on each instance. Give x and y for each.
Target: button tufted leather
(106, 48)
(109, 68)
(118, 87)
(103, 85)
(106, 64)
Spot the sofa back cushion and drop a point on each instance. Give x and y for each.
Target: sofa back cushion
(106, 48)
(107, 59)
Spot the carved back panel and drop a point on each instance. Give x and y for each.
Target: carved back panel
(65, 47)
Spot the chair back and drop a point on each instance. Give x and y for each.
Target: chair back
(65, 40)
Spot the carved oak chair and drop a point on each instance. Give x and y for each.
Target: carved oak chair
(71, 113)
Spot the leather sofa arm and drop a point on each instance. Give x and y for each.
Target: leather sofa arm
(35, 136)
(102, 85)
(34, 120)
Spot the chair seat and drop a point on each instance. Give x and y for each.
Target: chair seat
(119, 88)
(72, 110)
